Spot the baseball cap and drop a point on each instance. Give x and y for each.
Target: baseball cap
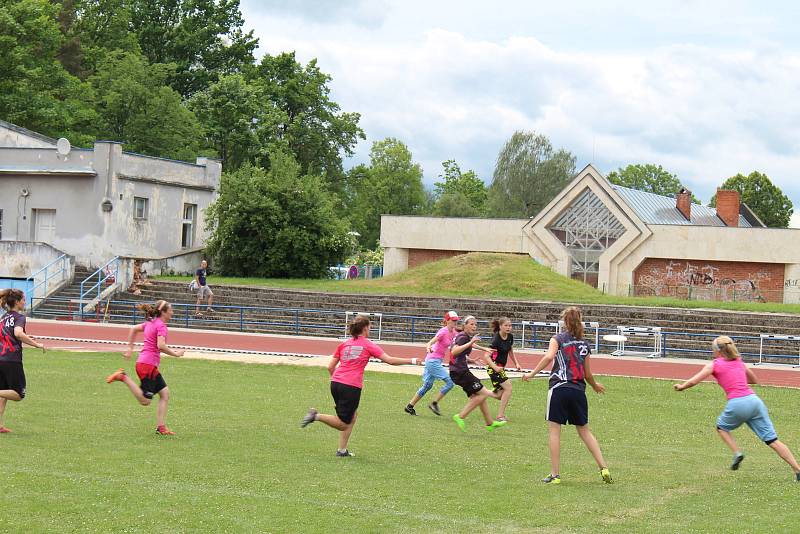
(451, 316)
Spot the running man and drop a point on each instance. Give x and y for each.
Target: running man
(566, 398)
(743, 406)
(347, 380)
(502, 346)
(155, 342)
(203, 291)
(436, 351)
(460, 352)
(12, 337)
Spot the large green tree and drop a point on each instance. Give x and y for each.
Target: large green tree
(390, 185)
(527, 175)
(766, 199)
(459, 194)
(275, 223)
(647, 177)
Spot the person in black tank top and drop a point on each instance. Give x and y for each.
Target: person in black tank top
(566, 398)
(12, 337)
(502, 347)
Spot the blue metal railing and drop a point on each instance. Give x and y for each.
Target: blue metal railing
(109, 271)
(329, 323)
(60, 264)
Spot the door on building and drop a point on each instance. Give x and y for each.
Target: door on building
(189, 221)
(44, 225)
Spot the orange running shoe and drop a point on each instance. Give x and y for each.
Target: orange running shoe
(118, 376)
(4, 430)
(164, 431)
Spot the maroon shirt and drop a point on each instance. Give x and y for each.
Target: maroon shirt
(10, 346)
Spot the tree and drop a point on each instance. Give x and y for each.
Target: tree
(391, 185)
(649, 178)
(457, 193)
(275, 223)
(762, 196)
(527, 175)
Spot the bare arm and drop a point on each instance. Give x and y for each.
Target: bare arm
(596, 386)
(162, 346)
(548, 358)
(22, 336)
(429, 346)
(487, 358)
(131, 337)
(704, 373)
(332, 364)
(392, 360)
(514, 359)
(751, 376)
(458, 349)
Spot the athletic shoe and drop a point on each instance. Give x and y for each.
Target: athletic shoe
(796, 475)
(501, 418)
(119, 376)
(606, 475)
(344, 454)
(310, 417)
(495, 424)
(210, 310)
(552, 479)
(434, 406)
(460, 422)
(4, 430)
(737, 459)
(410, 410)
(164, 431)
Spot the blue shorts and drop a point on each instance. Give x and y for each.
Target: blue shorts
(750, 410)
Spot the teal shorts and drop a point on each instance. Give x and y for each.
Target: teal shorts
(752, 411)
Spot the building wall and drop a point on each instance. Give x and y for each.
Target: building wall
(417, 256)
(710, 280)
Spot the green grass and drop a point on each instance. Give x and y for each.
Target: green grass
(84, 458)
(487, 275)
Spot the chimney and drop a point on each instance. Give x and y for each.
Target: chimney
(684, 203)
(728, 207)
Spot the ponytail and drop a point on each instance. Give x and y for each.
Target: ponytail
(573, 321)
(358, 325)
(151, 311)
(10, 297)
(497, 323)
(725, 346)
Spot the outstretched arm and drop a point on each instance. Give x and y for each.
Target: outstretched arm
(704, 373)
(549, 356)
(20, 334)
(392, 360)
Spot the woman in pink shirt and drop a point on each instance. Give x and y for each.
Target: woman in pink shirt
(155, 342)
(347, 379)
(743, 405)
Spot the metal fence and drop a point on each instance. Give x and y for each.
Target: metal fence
(399, 327)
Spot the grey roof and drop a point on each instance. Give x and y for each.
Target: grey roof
(658, 209)
(25, 131)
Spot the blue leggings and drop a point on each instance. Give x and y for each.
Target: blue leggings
(434, 371)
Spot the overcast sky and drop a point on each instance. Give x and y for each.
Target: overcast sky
(705, 89)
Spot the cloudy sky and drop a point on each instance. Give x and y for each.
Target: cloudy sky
(705, 89)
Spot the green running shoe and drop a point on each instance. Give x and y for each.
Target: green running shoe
(604, 472)
(496, 424)
(552, 479)
(460, 422)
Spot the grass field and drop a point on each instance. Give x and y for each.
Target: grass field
(487, 275)
(84, 457)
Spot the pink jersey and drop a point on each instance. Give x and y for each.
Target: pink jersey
(731, 375)
(150, 354)
(444, 338)
(354, 354)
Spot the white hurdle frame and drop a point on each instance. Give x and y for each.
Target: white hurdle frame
(366, 314)
(639, 331)
(780, 337)
(538, 324)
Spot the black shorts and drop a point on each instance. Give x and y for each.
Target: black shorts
(468, 382)
(346, 399)
(497, 378)
(12, 376)
(151, 379)
(566, 405)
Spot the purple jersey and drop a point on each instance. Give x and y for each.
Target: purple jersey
(568, 370)
(10, 346)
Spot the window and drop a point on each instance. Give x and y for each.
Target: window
(139, 208)
(189, 219)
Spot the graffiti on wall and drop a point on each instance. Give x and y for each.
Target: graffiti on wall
(700, 281)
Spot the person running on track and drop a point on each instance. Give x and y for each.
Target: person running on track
(743, 405)
(502, 346)
(463, 344)
(437, 350)
(566, 398)
(12, 337)
(347, 380)
(155, 342)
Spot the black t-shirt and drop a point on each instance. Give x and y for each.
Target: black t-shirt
(458, 364)
(10, 346)
(201, 276)
(502, 347)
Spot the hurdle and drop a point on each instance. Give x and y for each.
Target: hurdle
(535, 325)
(587, 325)
(371, 315)
(625, 332)
(777, 337)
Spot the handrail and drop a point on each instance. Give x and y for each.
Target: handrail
(100, 279)
(46, 270)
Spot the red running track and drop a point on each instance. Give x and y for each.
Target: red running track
(235, 341)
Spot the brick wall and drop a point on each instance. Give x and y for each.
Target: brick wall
(710, 280)
(419, 256)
